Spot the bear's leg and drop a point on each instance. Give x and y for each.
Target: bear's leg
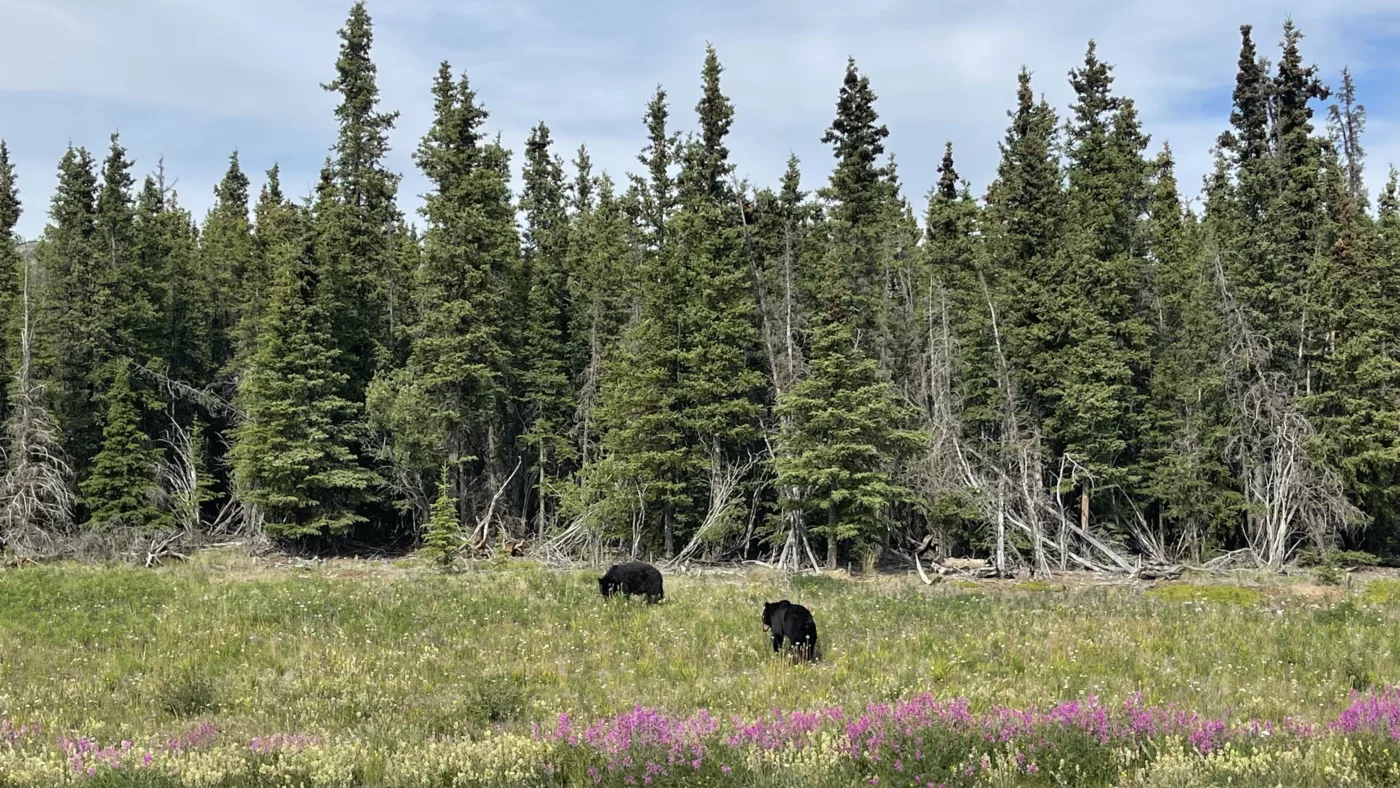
(777, 642)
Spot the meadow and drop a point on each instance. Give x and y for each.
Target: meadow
(226, 672)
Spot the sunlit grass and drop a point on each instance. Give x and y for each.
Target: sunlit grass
(389, 653)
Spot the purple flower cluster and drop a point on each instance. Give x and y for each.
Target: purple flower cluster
(642, 740)
(1373, 712)
(87, 756)
(909, 736)
(13, 732)
(900, 741)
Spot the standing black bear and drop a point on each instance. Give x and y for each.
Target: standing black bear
(794, 623)
(634, 579)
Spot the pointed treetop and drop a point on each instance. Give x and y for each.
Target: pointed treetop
(272, 189)
(582, 187)
(1250, 116)
(1390, 196)
(716, 115)
(791, 194)
(1093, 88)
(355, 71)
(948, 177)
(232, 191)
(857, 139)
(116, 178)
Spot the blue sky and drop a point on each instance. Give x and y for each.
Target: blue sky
(191, 80)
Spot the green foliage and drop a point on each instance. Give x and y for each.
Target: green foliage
(292, 457)
(443, 538)
(1189, 592)
(122, 490)
(187, 692)
(1327, 575)
(356, 217)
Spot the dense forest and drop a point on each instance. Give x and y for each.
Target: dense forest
(1073, 370)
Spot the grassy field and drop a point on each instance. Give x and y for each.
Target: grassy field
(224, 672)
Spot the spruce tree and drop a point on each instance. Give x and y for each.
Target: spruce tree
(548, 396)
(450, 397)
(950, 247)
(640, 412)
(292, 461)
(1297, 210)
(10, 274)
(721, 379)
(442, 540)
(598, 292)
(236, 278)
(275, 223)
(1091, 370)
(357, 217)
(70, 329)
(844, 423)
(1024, 223)
(1191, 498)
(122, 489)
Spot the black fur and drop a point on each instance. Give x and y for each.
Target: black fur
(634, 579)
(793, 623)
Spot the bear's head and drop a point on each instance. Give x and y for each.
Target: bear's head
(769, 608)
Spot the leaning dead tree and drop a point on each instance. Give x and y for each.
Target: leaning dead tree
(37, 512)
(1291, 496)
(723, 511)
(1005, 481)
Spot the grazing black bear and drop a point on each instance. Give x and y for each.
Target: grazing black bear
(633, 579)
(794, 623)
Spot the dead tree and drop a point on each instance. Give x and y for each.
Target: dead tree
(1292, 496)
(781, 326)
(38, 500)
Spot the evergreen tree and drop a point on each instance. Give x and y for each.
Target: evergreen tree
(952, 294)
(1191, 496)
(844, 422)
(72, 323)
(276, 223)
(356, 218)
(291, 459)
(236, 278)
(598, 293)
(721, 379)
(1297, 211)
(443, 537)
(548, 392)
(10, 274)
(640, 410)
(1024, 217)
(446, 405)
(1091, 370)
(122, 489)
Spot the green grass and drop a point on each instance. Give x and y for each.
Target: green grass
(386, 653)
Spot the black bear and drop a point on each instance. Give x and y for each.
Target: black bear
(633, 579)
(794, 623)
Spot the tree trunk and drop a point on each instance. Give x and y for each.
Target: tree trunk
(831, 538)
(667, 532)
(1084, 508)
(540, 513)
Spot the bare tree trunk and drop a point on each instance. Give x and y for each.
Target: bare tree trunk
(667, 529)
(831, 538)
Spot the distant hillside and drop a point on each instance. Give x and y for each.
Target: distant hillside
(26, 249)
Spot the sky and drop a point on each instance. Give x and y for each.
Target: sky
(189, 81)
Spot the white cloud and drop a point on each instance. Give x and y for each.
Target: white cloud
(942, 71)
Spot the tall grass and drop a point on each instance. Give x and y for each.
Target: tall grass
(384, 654)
